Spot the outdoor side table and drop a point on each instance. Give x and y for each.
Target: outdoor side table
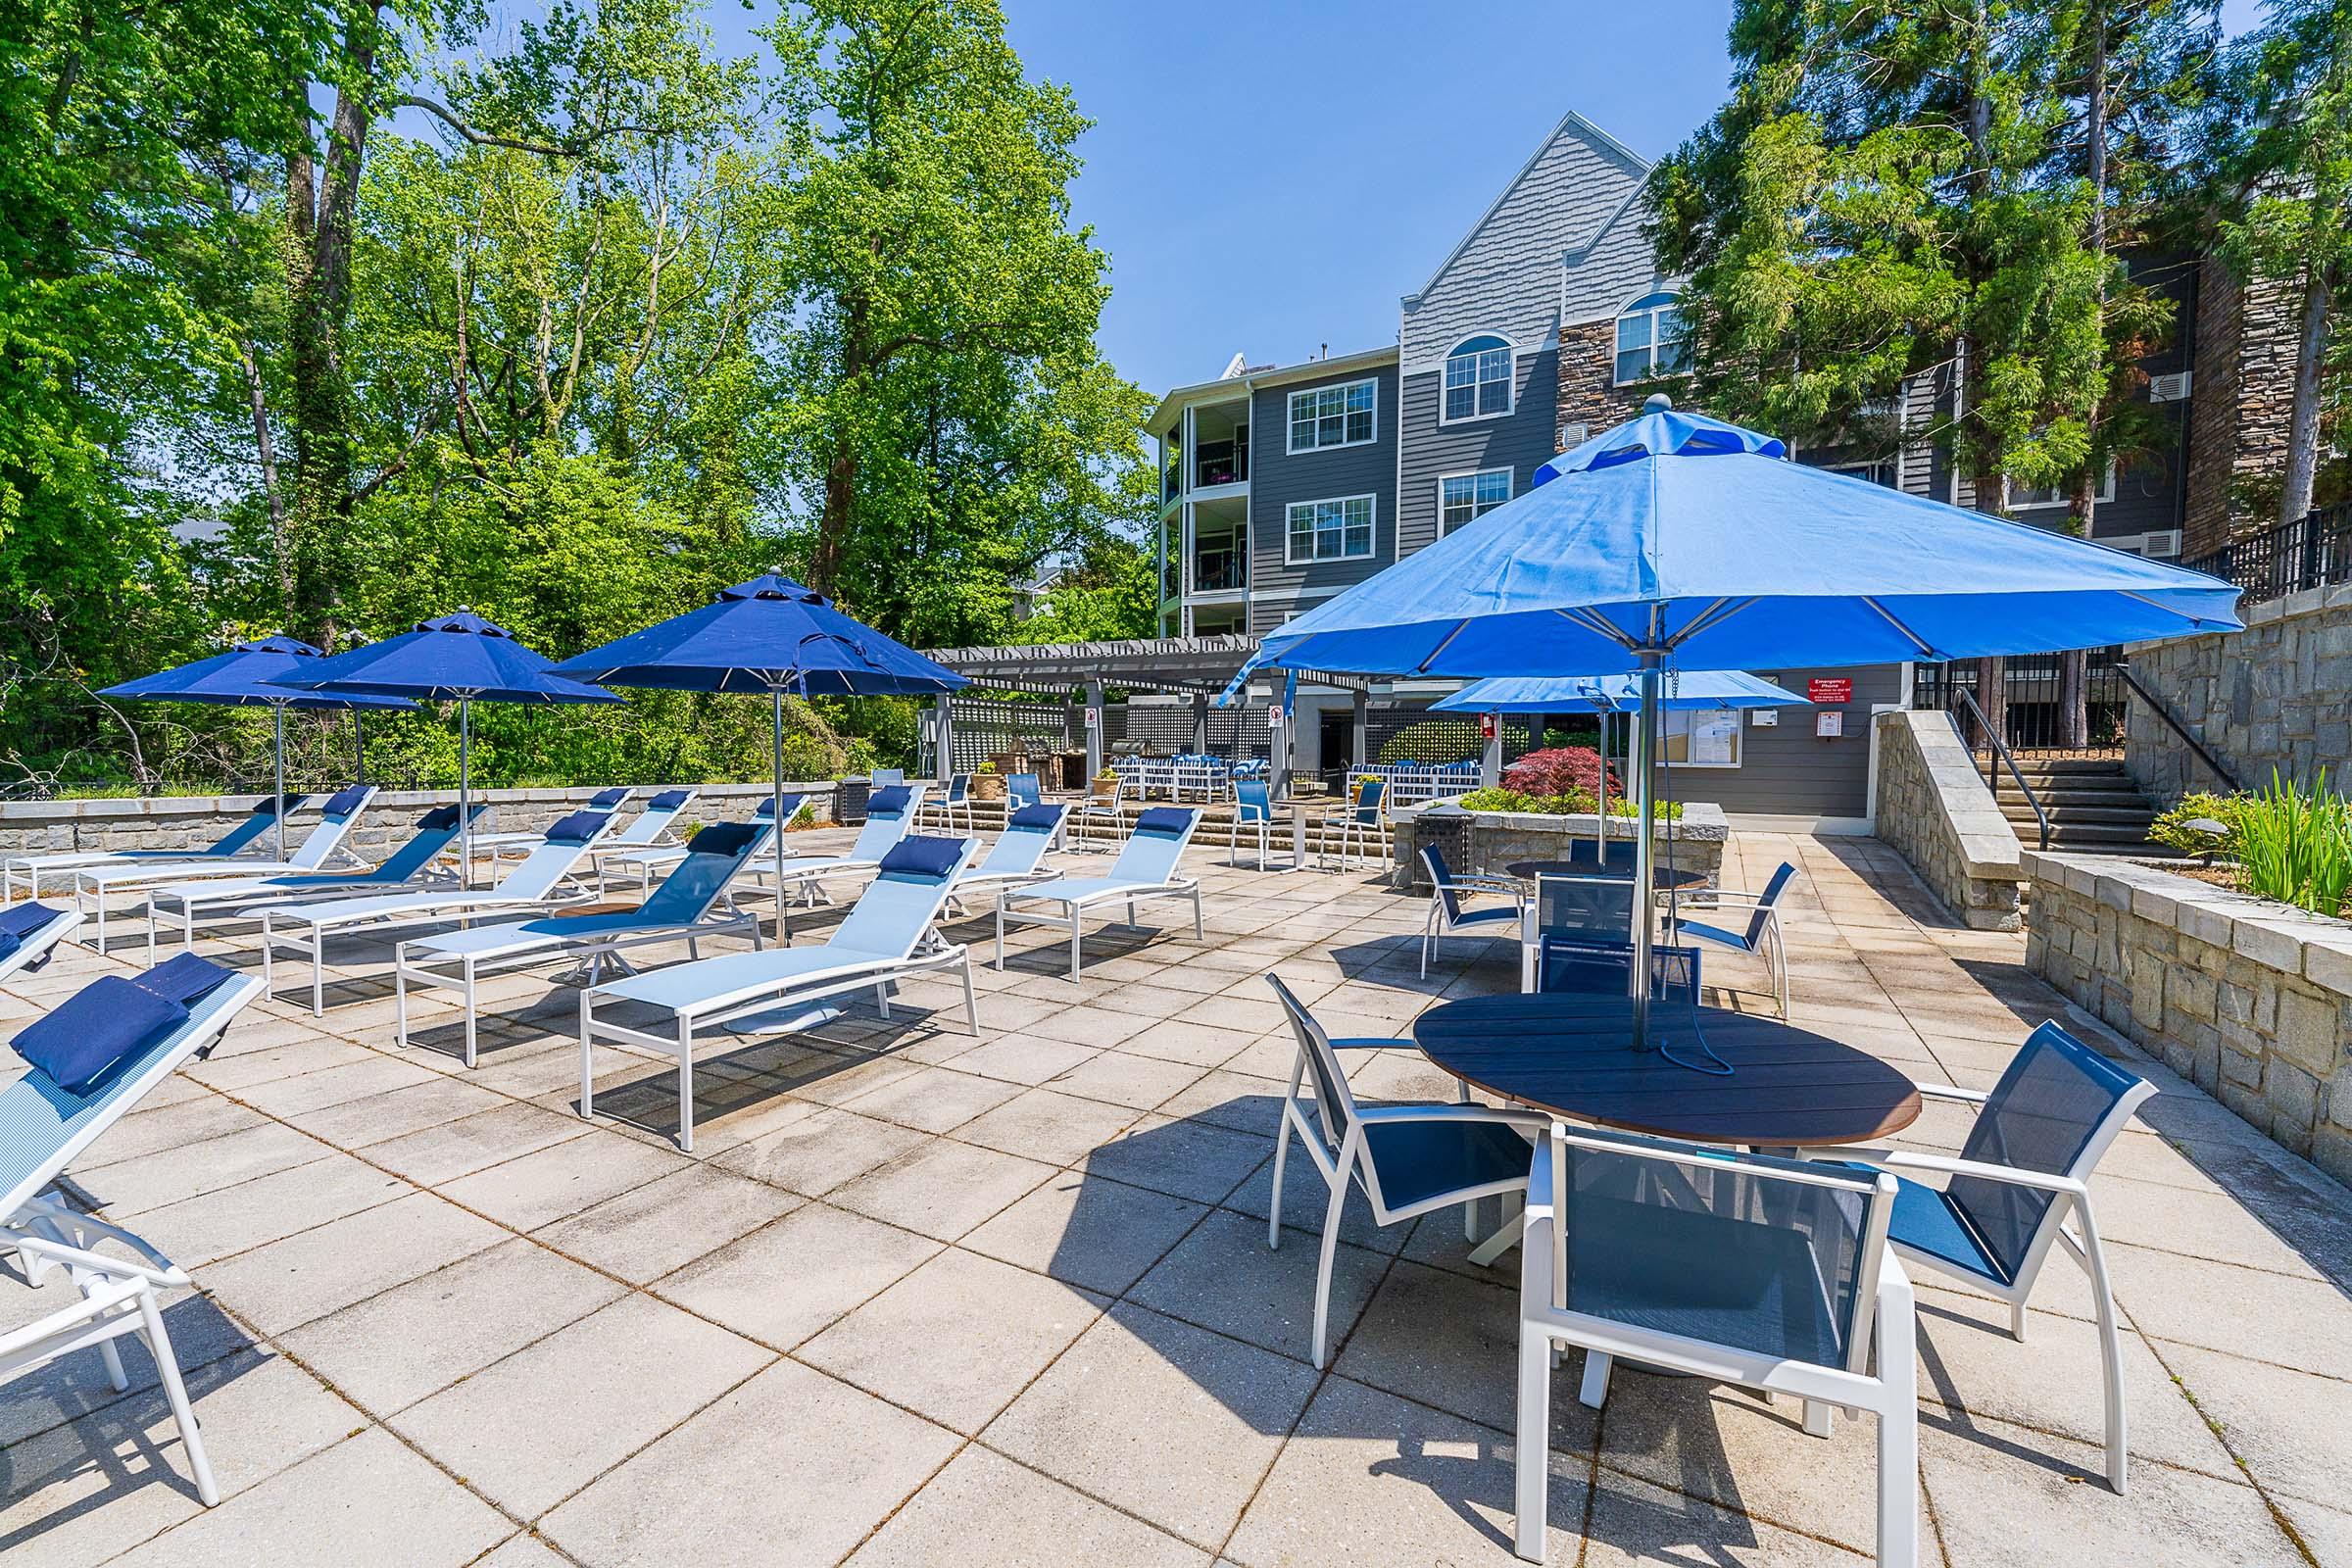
(1572, 1055)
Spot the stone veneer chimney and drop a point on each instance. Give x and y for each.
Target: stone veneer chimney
(1587, 396)
(2240, 403)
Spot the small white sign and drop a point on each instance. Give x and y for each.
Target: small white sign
(1273, 718)
(1829, 725)
(1763, 717)
(1093, 717)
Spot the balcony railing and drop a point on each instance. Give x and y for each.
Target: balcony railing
(2315, 549)
(1216, 572)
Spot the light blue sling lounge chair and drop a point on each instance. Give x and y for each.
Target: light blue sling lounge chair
(527, 839)
(1016, 859)
(887, 936)
(889, 817)
(62, 864)
(322, 844)
(1148, 867)
(30, 934)
(210, 903)
(147, 1026)
(614, 859)
(680, 908)
(531, 884)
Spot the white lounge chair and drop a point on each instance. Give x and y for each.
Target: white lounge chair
(679, 908)
(30, 934)
(887, 936)
(63, 863)
(642, 864)
(609, 800)
(45, 1125)
(1146, 868)
(532, 884)
(320, 846)
(889, 817)
(212, 902)
(1016, 859)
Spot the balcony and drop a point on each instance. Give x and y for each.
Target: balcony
(1220, 569)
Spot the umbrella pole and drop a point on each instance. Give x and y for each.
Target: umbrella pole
(1644, 749)
(278, 711)
(358, 746)
(1600, 808)
(464, 781)
(776, 694)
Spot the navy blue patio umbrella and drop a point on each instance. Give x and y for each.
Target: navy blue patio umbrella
(240, 678)
(769, 635)
(458, 659)
(1681, 541)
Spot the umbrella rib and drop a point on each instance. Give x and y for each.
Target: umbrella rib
(1459, 627)
(1594, 622)
(1917, 641)
(1721, 610)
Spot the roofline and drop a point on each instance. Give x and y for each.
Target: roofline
(1610, 144)
(1240, 386)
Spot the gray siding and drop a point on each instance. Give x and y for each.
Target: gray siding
(1785, 770)
(1519, 441)
(1505, 274)
(1278, 478)
(1619, 268)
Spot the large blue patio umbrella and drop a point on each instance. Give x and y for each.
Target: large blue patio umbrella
(459, 658)
(1604, 695)
(769, 635)
(1678, 540)
(240, 678)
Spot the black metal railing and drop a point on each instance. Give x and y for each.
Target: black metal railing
(1995, 748)
(2313, 550)
(2157, 706)
(1220, 571)
(2035, 717)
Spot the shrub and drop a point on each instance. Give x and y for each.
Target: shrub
(1561, 770)
(2295, 844)
(1571, 804)
(1443, 739)
(2172, 829)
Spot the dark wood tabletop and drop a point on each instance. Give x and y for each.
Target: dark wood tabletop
(1571, 1056)
(1620, 869)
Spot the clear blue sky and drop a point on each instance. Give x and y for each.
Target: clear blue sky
(1268, 176)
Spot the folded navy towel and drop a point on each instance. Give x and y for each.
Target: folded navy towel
(671, 800)
(605, 800)
(888, 801)
(922, 855)
(345, 801)
(1034, 816)
(724, 839)
(183, 978)
(84, 1037)
(1167, 819)
(579, 828)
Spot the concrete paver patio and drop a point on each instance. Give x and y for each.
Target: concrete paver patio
(922, 1298)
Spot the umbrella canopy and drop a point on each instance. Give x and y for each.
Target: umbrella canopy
(460, 658)
(1612, 694)
(242, 677)
(769, 635)
(1680, 539)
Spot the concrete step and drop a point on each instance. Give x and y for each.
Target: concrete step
(2137, 813)
(2072, 797)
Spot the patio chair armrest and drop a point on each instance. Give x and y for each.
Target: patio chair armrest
(1373, 1043)
(1902, 1160)
(1524, 1120)
(51, 1218)
(1486, 884)
(1971, 1096)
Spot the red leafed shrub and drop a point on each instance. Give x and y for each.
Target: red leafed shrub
(1560, 771)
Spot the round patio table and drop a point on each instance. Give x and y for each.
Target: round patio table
(1568, 1055)
(1619, 870)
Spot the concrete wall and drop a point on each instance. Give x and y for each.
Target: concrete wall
(191, 821)
(2250, 999)
(1934, 810)
(2277, 695)
(1693, 843)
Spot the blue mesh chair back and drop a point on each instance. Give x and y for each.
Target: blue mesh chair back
(436, 832)
(1152, 851)
(1335, 1104)
(1601, 968)
(714, 857)
(880, 832)
(889, 775)
(959, 787)
(1433, 859)
(1251, 804)
(653, 821)
(1022, 789)
(1775, 1256)
(1585, 907)
(1022, 844)
(1367, 798)
(900, 903)
(2042, 1114)
(1766, 902)
(256, 823)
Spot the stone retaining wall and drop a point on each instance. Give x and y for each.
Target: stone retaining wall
(2250, 999)
(1934, 808)
(1497, 837)
(2278, 695)
(191, 821)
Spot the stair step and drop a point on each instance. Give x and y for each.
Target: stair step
(2064, 796)
(2136, 812)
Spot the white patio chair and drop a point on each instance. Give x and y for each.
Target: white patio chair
(889, 817)
(528, 838)
(681, 909)
(30, 934)
(1447, 916)
(1361, 823)
(955, 804)
(1760, 937)
(45, 1125)
(887, 936)
(229, 845)
(532, 884)
(1146, 868)
(1252, 812)
(2024, 1171)
(1109, 806)
(1769, 1274)
(1407, 1160)
(214, 903)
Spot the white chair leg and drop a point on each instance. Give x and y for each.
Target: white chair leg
(1074, 922)
(1899, 1434)
(1282, 1155)
(116, 1378)
(1818, 1417)
(971, 999)
(400, 999)
(587, 1063)
(471, 1030)
(2111, 1351)
(166, 1366)
(1593, 1389)
(2017, 1321)
(1534, 1458)
(685, 1087)
(1331, 1246)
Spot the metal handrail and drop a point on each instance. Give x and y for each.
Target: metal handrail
(2157, 706)
(2000, 749)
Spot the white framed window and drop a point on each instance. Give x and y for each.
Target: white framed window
(2027, 497)
(1326, 416)
(1466, 497)
(1652, 340)
(1880, 471)
(1338, 529)
(1478, 380)
(1699, 737)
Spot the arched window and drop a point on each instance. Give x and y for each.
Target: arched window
(1650, 339)
(1478, 379)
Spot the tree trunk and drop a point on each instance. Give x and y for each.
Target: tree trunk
(2303, 427)
(830, 553)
